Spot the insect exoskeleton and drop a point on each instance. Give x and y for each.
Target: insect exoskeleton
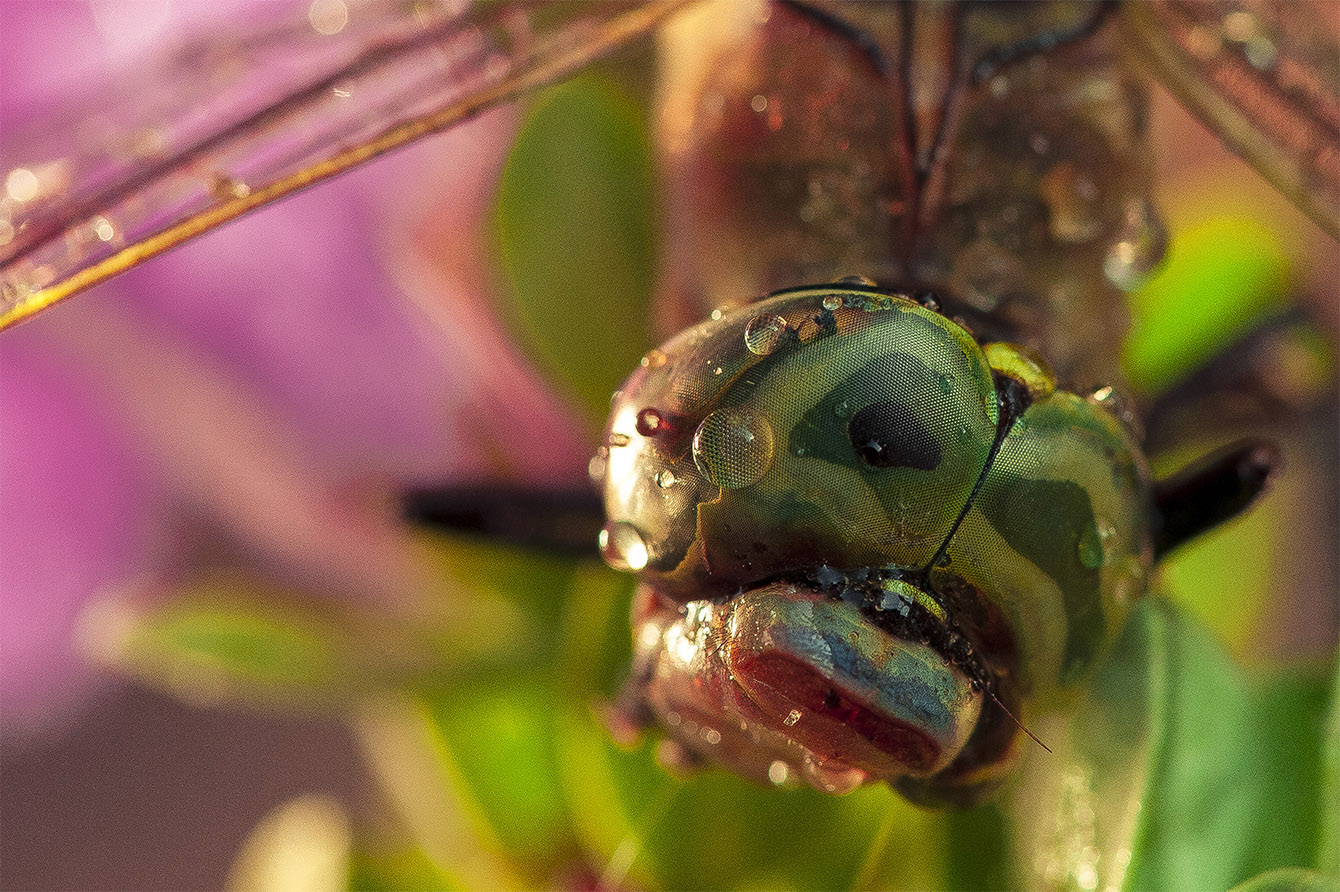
(864, 541)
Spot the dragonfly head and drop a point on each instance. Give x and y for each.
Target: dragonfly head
(857, 534)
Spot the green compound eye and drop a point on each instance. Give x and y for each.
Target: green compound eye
(862, 537)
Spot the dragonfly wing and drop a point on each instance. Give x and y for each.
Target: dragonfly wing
(1263, 76)
(233, 121)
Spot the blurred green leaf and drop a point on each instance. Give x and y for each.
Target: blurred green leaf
(1222, 274)
(576, 234)
(1328, 854)
(1290, 879)
(1178, 773)
(401, 870)
(234, 636)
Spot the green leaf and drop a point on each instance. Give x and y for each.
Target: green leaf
(236, 636)
(1328, 854)
(1290, 879)
(1177, 773)
(576, 234)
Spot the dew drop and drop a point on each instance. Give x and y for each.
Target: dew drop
(832, 302)
(226, 188)
(596, 467)
(778, 772)
(649, 422)
(22, 184)
(791, 718)
(946, 384)
(842, 409)
(1140, 244)
(617, 439)
(733, 447)
(622, 546)
(764, 333)
(666, 478)
(102, 229)
(653, 360)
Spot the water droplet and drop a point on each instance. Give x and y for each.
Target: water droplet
(842, 409)
(622, 546)
(225, 188)
(102, 229)
(1241, 26)
(791, 718)
(620, 439)
(596, 467)
(778, 772)
(1090, 548)
(1140, 244)
(832, 302)
(717, 370)
(759, 103)
(764, 333)
(733, 447)
(653, 360)
(711, 735)
(649, 422)
(328, 17)
(946, 384)
(22, 185)
(1261, 53)
(666, 478)
(718, 313)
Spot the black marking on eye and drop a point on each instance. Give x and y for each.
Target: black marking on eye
(888, 434)
(1045, 521)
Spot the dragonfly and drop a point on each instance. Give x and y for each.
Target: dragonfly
(882, 167)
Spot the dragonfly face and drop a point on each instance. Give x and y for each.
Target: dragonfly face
(860, 536)
(865, 536)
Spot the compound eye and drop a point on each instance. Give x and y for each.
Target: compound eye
(889, 434)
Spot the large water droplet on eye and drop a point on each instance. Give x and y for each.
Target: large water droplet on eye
(734, 447)
(622, 546)
(1139, 247)
(764, 333)
(665, 478)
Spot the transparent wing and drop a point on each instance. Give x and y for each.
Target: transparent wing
(230, 122)
(1265, 76)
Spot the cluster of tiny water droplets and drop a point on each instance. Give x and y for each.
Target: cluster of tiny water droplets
(734, 447)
